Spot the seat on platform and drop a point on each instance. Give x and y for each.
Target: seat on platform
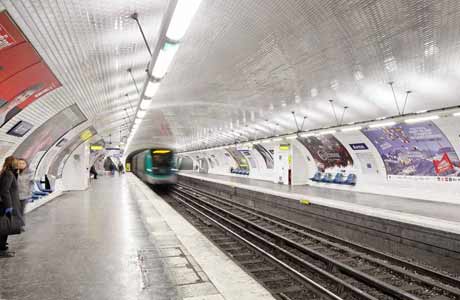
(327, 178)
(351, 180)
(338, 178)
(317, 176)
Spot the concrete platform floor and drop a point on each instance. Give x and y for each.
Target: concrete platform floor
(98, 244)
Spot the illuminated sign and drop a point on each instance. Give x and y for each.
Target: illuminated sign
(96, 147)
(284, 147)
(161, 151)
(86, 135)
(359, 146)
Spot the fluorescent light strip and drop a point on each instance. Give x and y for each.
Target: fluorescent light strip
(307, 134)
(181, 18)
(151, 89)
(277, 139)
(327, 132)
(164, 59)
(457, 114)
(145, 104)
(355, 128)
(141, 114)
(291, 137)
(378, 125)
(421, 119)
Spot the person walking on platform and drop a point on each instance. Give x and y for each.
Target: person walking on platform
(9, 199)
(25, 183)
(120, 169)
(112, 169)
(92, 171)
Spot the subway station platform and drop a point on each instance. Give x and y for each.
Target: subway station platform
(434, 215)
(118, 240)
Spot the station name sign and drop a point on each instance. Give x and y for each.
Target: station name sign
(359, 146)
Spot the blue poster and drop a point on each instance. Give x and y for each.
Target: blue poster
(413, 149)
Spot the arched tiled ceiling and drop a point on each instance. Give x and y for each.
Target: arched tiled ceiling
(244, 62)
(89, 46)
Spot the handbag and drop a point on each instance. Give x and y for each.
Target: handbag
(10, 225)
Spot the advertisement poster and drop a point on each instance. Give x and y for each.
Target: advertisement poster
(45, 136)
(68, 147)
(267, 155)
(247, 153)
(415, 150)
(24, 76)
(329, 154)
(238, 157)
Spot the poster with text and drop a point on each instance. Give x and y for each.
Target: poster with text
(329, 154)
(415, 150)
(68, 147)
(267, 155)
(24, 76)
(45, 136)
(238, 157)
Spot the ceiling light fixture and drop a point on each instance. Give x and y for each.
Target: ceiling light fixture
(277, 139)
(355, 128)
(421, 119)
(457, 114)
(145, 104)
(307, 134)
(181, 19)
(141, 114)
(164, 59)
(378, 125)
(151, 89)
(291, 137)
(327, 132)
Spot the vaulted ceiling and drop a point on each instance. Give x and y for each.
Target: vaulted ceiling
(244, 65)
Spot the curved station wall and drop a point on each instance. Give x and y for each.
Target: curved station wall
(416, 159)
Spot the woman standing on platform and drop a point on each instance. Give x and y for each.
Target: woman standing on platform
(25, 183)
(9, 198)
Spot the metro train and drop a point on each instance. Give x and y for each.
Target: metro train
(155, 166)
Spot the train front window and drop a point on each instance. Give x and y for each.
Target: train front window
(162, 159)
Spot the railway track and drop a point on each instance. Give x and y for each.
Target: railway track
(310, 264)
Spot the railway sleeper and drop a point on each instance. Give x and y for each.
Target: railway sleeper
(289, 289)
(277, 279)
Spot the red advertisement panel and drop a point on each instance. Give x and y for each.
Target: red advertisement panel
(443, 165)
(24, 88)
(10, 34)
(24, 76)
(15, 59)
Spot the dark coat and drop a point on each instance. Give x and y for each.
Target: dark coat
(9, 194)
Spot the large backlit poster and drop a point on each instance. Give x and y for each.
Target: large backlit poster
(415, 150)
(40, 141)
(68, 147)
(238, 157)
(329, 154)
(24, 76)
(267, 155)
